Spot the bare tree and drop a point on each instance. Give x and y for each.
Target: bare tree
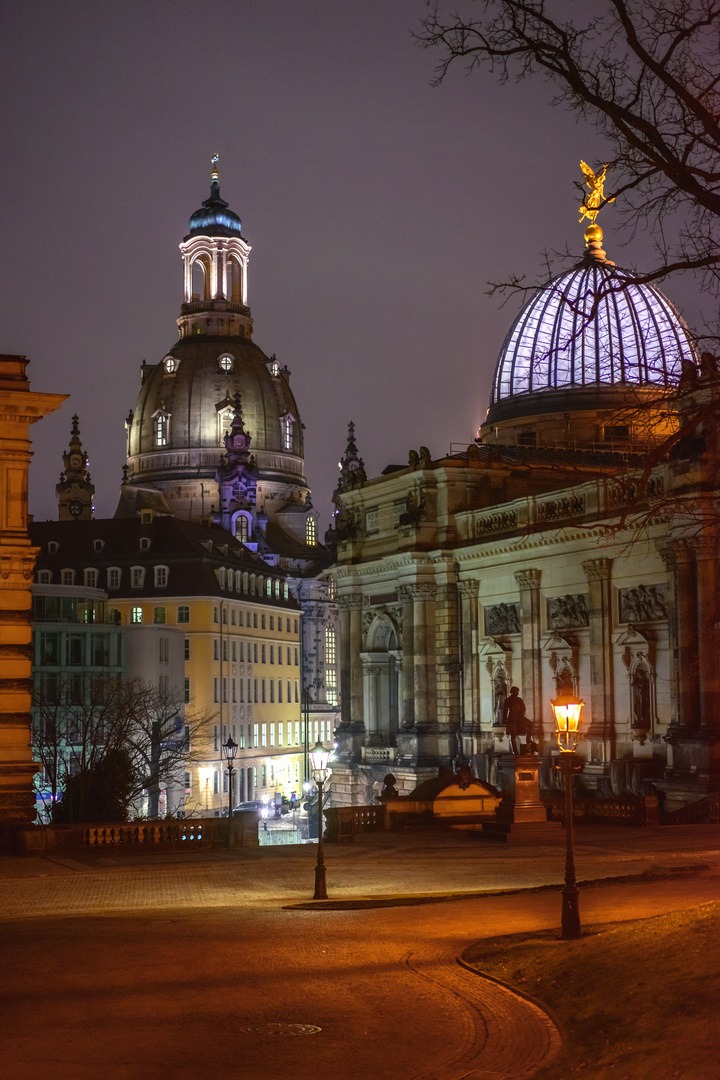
(80, 724)
(646, 73)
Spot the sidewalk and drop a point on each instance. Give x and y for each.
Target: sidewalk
(120, 968)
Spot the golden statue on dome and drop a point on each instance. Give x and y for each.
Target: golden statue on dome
(590, 208)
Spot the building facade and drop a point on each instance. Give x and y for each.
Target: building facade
(570, 549)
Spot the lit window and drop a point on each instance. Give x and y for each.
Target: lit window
(170, 365)
(136, 615)
(286, 428)
(162, 429)
(285, 590)
(183, 613)
(225, 363)
(330, 671)
(268, 587)
(332, 588)
(311, 531)
(242, 529)
(161, 577)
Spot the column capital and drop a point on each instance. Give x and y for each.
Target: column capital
(424, 591)
(598, 569)
(528, 579)
(350, 602)
(468, 588)
(704, 548)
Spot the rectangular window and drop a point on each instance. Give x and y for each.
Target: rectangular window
(113, 578)
(100, 646)
(187, 690)
(279, 654)
(233, 691)
(240, 618)
(216, 746)
(232, 616)
(296, 657)
(225, 780)
(255, 690)
(255, 653)
(262, 621)
(272, 654)
(255, 736)
(297, 733)
(297, 695)
(216, 653)
(74, 650)
(225, 616)
(183, 613)
(225, 654)
(234, 651)
(280, 734)
(215, 692)
(263, 690)
(215, 614)
(288, 655)
(288, 625)
(249, 697)
(263, 735)
(280, 691)
(296, 626)
(187, 648)
(159, 615)
(136, 615)
(241, 744)
(272, 690)
(216, 783)
(272, 622)
(224, 689)
(272, 734)
(264, 775)
(289, 697)
(242, 691)
(160, 577)
(263, 654)
(50, 649)
(255, 620)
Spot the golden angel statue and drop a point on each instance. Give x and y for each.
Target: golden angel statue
(590, 206)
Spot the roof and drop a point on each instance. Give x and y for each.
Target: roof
(214, 218)
(191, 552)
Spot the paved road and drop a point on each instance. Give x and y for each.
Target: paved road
(187, 969)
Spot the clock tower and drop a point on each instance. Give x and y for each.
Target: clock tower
(75, 490)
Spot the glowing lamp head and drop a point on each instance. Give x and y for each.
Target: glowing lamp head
(229, 750)
(319, 758)
(566, 710)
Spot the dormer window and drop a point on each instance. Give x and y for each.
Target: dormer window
(286, 431)
(52, 547)
(145, 543)
(226, 363)
(242, 528)
(90, 576)
(137, 577)
(161, 577)
(44, 577)
(273, 367)
(170, 364)
(98, 545)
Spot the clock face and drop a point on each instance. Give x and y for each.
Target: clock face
(75, 507)
(76, 461)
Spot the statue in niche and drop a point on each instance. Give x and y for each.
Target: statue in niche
(567, 612)
(645, 603)
(502, 619)
(564, 681)
(499, 695)
(640, 692)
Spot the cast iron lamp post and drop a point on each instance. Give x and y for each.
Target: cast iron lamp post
(567, 720)
(229, 750)
(319, 757)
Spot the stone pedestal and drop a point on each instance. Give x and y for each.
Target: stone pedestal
(520, 815)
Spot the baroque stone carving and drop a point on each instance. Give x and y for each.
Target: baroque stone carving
(501, 522)
(351, 602)
(528, 579)
(645, 603)
(571, 506)
(567, 612)
(468, 589)
(598, 569)
(502, 619)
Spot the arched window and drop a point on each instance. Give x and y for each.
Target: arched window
(90, 577)
(226, 362)
(246, 581)
(225, 419)
(161, 422)
(311, 531)
(242, 528)
(268, 587)
(286, 432)
(44, 577)
(161, 577)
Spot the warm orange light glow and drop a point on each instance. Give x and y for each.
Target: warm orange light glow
(567, 720)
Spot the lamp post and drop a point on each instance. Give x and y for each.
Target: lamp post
(229, 750)
(319, 757)
(566, 710)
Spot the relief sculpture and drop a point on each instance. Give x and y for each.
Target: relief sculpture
(566, 612)
(645, 603)
(502, 619)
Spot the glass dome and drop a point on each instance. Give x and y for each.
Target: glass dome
(592, 327)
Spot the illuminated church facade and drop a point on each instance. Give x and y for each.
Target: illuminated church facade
(560, 553)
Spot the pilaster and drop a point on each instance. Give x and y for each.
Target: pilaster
(602, 708)
(528, 582)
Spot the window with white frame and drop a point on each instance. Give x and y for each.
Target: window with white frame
(286, 431)
(136, 615)
(242, 527)
(90, 577)
(161, 577)
(44, 577)
(137, 577)
(330, 668)
(67, 577)
(161, 427)
(113, 577)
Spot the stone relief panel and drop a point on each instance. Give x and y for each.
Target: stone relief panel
(644, 603)
(502, 619)
(567, 612)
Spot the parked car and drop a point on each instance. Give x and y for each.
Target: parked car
(252, 805)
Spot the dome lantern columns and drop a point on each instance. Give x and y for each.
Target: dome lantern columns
(222, 308)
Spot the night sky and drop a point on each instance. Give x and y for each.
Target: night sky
(378, 208)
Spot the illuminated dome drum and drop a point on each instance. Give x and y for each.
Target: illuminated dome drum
(590, 340)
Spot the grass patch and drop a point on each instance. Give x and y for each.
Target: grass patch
(635, 1000)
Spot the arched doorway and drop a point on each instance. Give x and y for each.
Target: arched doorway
(382, 682)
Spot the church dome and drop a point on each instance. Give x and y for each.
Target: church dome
(214, 218)
(592, 327)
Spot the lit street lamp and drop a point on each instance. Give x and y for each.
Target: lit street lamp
(229, 750)
(319, 757)
(567, 710)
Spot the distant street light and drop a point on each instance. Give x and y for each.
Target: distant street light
(229, 750)
(319, 757)
(566, 710)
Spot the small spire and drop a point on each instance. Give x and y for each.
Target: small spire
(351, 465)
(215, 160)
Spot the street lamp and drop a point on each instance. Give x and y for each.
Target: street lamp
(229, 750)
(319, 757)
(566, 710)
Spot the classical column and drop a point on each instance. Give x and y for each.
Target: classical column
(424, 652)
(683, 634)
(708, 666)
(447, 652)
(19, 408)
(351, 678)
(371, 696)
(528, 582)
(602, 700)
(468, 591)
(407, 701)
